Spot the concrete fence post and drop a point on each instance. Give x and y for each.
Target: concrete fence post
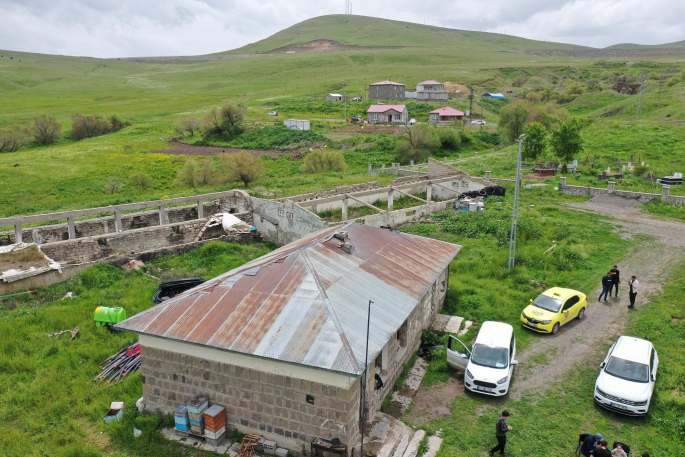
(17, 233)
(488, 175)
(562, 182)
(200, 210)
(611, 187)
(420, 169)
(665, 192)
(70, 228)
(344, 208)
(369, 169)
(162, 215)
(117, 221)
(444, 159)
(429, 191)
(383, 168)
(390, 199)
(411, 163)
(475, 154)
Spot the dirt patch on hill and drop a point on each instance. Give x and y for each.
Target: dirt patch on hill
(370, 128)
(325, 46)
(192, 150)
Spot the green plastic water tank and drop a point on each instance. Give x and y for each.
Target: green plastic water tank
(105, 315)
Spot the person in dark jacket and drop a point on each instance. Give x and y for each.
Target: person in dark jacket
(607, 284)
(501, 430)
(601, 450)
(616, 278)
(590, 444)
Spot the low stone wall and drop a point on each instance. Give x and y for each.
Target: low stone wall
(643, 197)
(402, 216)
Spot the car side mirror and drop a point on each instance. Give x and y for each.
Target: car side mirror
(653, 377)
(514, 362)
(601, 365)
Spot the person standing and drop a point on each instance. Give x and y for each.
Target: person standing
(634, 284)
(607, 284)
(501, 430)
(616, 278)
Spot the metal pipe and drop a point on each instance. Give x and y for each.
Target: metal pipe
(515, 212)
(366, 369)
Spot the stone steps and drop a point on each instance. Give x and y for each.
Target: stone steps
(387, 437)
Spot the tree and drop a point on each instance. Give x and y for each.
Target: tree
(535, 141)
(186, 175)
(188, 124)
(45, 129)
(566, 140)
(13, 138)
(140, 181)
(225, 121)
(323, 160)
(512, 118)
(205, 172)
(241, 167)
(417, 143)
(89, 126)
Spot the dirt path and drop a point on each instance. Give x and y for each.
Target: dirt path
(192, 150)
(577, 342)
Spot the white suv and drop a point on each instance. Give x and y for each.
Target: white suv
(488, 366)
(626, 381)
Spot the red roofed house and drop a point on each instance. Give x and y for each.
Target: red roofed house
(386, 90)
(431, 90)
(445, 116)
(387, 114)
(281, 342)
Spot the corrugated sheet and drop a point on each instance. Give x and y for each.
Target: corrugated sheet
(308, 301)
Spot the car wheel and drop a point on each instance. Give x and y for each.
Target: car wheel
(555, 329)
(581, 314)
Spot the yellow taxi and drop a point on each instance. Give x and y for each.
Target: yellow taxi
(554, 308)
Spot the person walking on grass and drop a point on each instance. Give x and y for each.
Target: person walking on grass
(501, 430)
(607, 284)
(634, 284)
(616, 278)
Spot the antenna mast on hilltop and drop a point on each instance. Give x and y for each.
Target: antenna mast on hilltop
(348, 6)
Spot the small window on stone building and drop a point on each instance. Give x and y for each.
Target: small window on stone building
(402, 335)
(379, 361)
(310, 399)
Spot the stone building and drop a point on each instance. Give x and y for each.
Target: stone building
(386, 90)
(281, 341)
(431, 91)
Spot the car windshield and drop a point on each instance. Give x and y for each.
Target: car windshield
(548, 303)
(625, 369)
(489, 356)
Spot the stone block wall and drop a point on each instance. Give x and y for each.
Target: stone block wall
(268, 404)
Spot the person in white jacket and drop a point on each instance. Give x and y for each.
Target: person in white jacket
(634, 284)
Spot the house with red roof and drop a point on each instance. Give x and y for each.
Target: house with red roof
(387, 114)
(386, 90)
(445, 116)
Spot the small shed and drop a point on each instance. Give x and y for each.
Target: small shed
(494, 95)
(297, 124)
(334, 97)
(445, 116)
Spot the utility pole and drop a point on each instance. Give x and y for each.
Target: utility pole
(345, 98)
(639, 100)
(515, 212)
(362, 400)
(470, 103)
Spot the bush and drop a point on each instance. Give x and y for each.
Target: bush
(323, 160)
(91, 126)
(241, 167)
(673, 81)
(13, 138)
(449, 139)
(45, 129)
(487, 137)
(277, 137)
(140, 181)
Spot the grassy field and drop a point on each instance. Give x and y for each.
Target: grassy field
(46, 394)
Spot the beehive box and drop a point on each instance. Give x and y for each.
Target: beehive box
(197, 423)
(197, 430)
(215, 435)
(215, 417)
(198, 404)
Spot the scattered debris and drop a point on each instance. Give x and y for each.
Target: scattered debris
(68, 295)
(23, 260)
(137, 432)
(116, 410)
(120, 365)
(133, 265)
(73, 332)
(231, 225)
(170, 289)
(551, 248)
(8, 296)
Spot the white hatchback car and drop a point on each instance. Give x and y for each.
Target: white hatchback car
(626, 381)
(488, 366)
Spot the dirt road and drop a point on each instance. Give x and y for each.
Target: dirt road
(577, 343)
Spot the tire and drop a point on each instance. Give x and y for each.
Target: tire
(555, 329)
(581, 314)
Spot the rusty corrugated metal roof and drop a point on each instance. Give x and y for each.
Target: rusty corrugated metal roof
(306, 303)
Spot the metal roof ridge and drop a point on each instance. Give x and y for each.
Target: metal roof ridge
(331, 311)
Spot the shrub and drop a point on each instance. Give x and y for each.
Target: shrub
(186, 175)
(241, 167)
(417, 144)
(449, 139)
(13, 138)
(323, 160)
(113, 185)
(672, 81)
(45, 129)
(90, 126)
(140, 181)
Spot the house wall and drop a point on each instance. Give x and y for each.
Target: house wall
(283, 222)
(261, 396)
(386, 92)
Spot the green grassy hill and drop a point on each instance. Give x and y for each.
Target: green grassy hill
(370, 31)
(674, 45)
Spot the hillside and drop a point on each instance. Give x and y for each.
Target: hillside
(371, 32)
(674, 45)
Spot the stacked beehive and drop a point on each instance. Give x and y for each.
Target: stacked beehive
(215, 422)
(196, 408)
(181, 418)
